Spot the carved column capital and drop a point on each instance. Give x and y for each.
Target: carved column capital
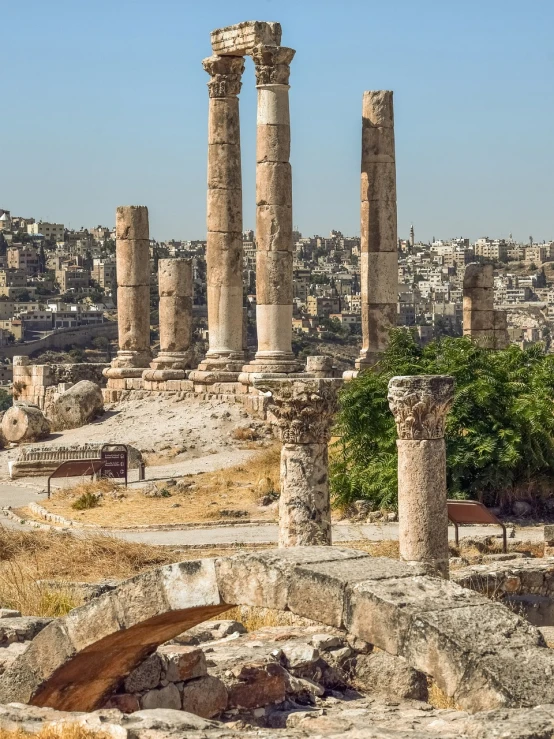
(272, 64)
(225, 73)
(301, 410)
(419, 404)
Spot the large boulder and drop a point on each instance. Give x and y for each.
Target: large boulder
(77, 406)
(25, 423)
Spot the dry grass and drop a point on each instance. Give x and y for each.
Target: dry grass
(254, 618)
(28, 560)
(386, 548)
(65, 731)
(437, 698)
(235, 488)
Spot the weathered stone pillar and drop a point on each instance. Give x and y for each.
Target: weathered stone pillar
(175, 310)
(302, 412)
(273, 213)
(379, 243)
(419, 405)
(225, 355)
(478, 298)
(133, 292)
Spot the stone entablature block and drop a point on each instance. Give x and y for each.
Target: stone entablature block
(240, 39)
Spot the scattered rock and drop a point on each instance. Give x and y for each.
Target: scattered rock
(205, 697)
(77, 406)
(383, 673)
(145, 677)
(232, 513)
(168, 697)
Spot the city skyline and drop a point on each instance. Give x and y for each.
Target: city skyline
(118, 113)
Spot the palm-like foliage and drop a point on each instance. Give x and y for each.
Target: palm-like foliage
(499, 432)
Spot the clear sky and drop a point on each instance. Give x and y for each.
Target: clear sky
(104, 103)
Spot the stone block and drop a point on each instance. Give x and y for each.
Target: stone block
(132, 262)
(133, 316)
(377, 323)
(500, 320)
(377, 108)
(478, 320)
(274, 277)
(264, 578)
(131, 222)
(224, 210)
(378, 181)
(190, 584)
(378, 226)
(273, 143)
(146, 676)
(320, 588)
(224, 166)
(224, 259)
(168, 697)
(175, 277)
(377, 146)
(443, 643)
(205, 696)
(223, 121)
(274, 228)
(478, 276)
(124, 702)
(273, 107)
(182, 663)
(379, 271)
(381, 611)
(274, 184)
(242, 38)
(256, 685)
(384, 674)
(484, 339)
(479, 298)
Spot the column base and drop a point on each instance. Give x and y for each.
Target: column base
(161, 375)
(366, 361)
(284, 364)
(122, 373)
(172, 361)
(131, 359)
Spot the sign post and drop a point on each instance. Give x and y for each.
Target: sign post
(116, 459)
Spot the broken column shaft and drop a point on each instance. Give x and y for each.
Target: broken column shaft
(133, 292)
(379, 245)
(302, 412)
(175, 311)
(483, 324)
(419, 404)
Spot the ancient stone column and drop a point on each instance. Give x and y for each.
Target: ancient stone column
(225, 355)
(478, 316)
(175, 310)
(302, 412)
(274, 253)
(379, 243)
(501, 335)
(419, 405)
(133, 292)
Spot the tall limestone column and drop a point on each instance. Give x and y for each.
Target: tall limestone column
(133, 292)
(175, 310)
(379, 244)
(302, 412)
(483, 324)
(419, 404)
(225, 356)
(273, 213)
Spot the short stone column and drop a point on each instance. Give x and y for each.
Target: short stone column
(133, 293)
(379, 243)
(274, 254)
(225, 356)
(478, 316)
(175, 310)
(302, 412)
(419, 405)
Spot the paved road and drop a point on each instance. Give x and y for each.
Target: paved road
(18, 496)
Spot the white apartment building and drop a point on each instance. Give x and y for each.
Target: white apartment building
(50, 231)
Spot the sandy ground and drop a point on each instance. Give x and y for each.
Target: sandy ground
(166, 430)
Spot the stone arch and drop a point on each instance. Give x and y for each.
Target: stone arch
(478, 652)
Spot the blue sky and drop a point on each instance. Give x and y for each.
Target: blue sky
(104, 103)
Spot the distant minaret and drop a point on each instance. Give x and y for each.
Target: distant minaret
(412, 240)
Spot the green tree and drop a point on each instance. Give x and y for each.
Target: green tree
(499, 432)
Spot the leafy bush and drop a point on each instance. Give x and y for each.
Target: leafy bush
(86, 501)
(499, 432)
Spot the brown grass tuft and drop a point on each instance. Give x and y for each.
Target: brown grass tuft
(437, 698)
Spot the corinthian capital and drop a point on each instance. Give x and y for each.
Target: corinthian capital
(225, 73)
(419, 404)
(272, 64)
(302, 411)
